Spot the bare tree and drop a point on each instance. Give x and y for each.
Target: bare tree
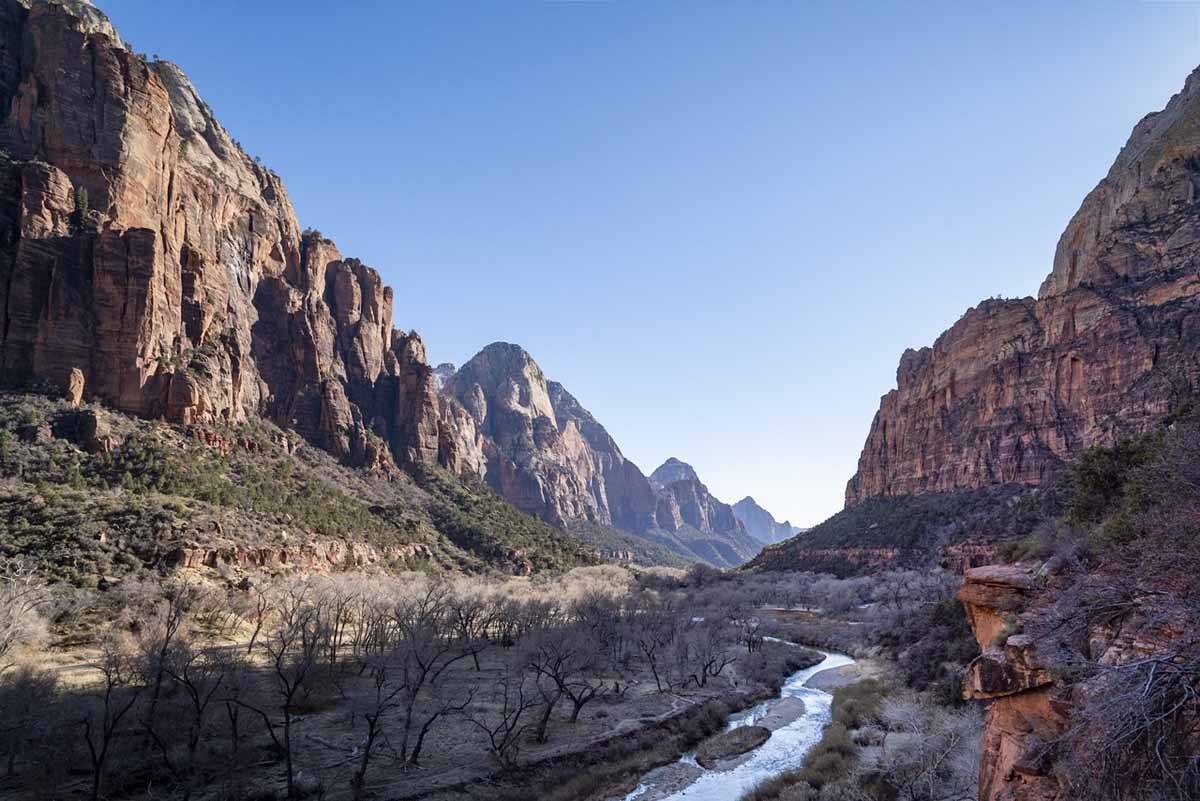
(111, 703)
(508, 722)
(702, 652)
(655, 625)
(939, 761)
(472, 616)
(27, 697)
(199, 675)
(567, 658)
(22, 598)
(159, 637)
(425, 648)
(385, 698)
(258, 611)
(293, 648)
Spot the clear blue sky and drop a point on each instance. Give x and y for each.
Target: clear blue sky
(717, 223)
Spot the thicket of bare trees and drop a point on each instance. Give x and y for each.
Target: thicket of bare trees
(194, 683)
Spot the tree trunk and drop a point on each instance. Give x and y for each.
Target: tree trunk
(545, 721)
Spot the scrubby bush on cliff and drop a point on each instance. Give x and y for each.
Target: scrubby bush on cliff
(1118, 623)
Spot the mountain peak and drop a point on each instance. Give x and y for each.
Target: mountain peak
(673, 470)
(760, 523)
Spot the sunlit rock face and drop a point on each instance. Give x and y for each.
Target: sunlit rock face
(545, 453)
(1112, 342)
(146, 261)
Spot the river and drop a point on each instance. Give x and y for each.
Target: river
(685, 780)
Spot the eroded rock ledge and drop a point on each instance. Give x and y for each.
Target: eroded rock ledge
(1025, 710)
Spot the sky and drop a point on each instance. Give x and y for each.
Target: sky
(718, 224)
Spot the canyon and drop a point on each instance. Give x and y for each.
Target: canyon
(206, 352)
(149, 264)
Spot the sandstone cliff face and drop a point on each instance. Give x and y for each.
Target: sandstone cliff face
(142, 250)
(545, 453)
(1112, 342)
(1025, 710)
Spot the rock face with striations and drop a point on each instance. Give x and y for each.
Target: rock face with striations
(686, 506)
(147, 262)
(1111, 344)
(548, 456)
(545, 453)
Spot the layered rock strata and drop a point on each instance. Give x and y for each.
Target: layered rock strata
(146, 261)
(1112, 342)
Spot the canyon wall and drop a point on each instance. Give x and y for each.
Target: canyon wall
(1112, 343)
(144, 251)
(149, 264)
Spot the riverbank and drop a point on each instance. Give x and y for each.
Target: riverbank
(797, 720)
(611, 765)
(833, 678)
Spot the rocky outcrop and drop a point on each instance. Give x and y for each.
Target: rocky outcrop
(1025, 710)
(148, 263)
(1067, 661)
(318, 556)
(962, 556)
(1112, 343)
(761, 524)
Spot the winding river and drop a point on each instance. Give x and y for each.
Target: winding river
(685, 780)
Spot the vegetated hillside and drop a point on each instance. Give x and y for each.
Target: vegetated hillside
(90, 494)
(1091, 641)
(961, 528)
(621, 546)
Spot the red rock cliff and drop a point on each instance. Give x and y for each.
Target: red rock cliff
(1016, 387)
(1063, 657)
(142, 247)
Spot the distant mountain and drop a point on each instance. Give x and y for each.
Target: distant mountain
(761, 524)
(442, 373)
(688, 512)
(551, 458)
(545, 453)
